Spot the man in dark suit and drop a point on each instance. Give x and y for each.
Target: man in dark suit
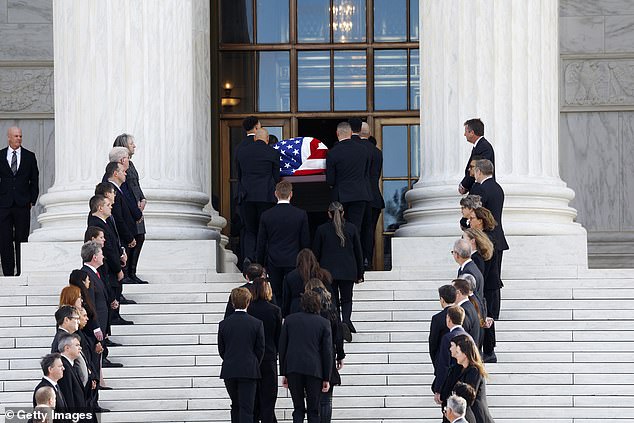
(250, 124)
(258, 167)
(71, 384)
(462, 256)
(347, 174)
(376, 204)
(471, 322)
(100, 208)
(53, 371)
(283, 232)
(126, 226)
(306, 357)
(492, 196)
(438, 326)
(474, 133)
(453, 319)
(241, 347)
(18, 193)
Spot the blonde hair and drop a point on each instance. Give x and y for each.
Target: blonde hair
(483, 243)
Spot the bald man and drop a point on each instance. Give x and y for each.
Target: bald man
(18, 193)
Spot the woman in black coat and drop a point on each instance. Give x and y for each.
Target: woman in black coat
(338, 248)
(470, 370)
(307, 267)
(329, 311)
(484, 220)
(271, 317)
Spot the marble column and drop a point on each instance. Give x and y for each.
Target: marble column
(140, 67)
(496, 60)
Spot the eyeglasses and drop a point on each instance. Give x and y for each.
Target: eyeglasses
(75, 317)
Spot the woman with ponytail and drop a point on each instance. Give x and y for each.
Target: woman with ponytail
(337, 246)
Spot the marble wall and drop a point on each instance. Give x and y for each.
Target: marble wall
(597, 123)
(26, 82)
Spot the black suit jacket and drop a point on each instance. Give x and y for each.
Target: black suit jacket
(472, 269)
(471, 322)
(60, 405)
(71, 386)
(478, 260)
(21, 189)
(344, 263)
(112, 246)
(348, 172)
(306, 346)
(444, 359)
(292, 289)
(483, 149)
(258, 167)
(126, 226)
(241, 346)
(102, 298)
(437, 328)
(271, 317)
(283, 232)
(470, 376)
(492, 196)
(376, 167)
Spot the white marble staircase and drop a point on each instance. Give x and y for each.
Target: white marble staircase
(565, 349)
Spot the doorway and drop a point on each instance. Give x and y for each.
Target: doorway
(325, 130)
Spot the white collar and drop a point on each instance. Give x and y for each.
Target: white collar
(283, 201)
(477, 141)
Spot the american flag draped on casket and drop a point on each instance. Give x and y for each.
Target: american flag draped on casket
(302, 156)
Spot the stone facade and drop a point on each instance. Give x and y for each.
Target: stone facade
(597, 122)
(596, 104)
(26, 82)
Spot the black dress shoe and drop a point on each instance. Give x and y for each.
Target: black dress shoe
(105, 388)
(138, 280)
(121, 321)
(108, 363)
(102, 410)
(351, 326)
(110, 343)
(124, 300)
(127, 280)
(490, 358)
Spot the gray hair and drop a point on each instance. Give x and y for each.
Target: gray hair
(462, 248)
(471, 280)
(365, 130)
(471, 202)
(118, 153)
(89, 250)
(485, 166)
(344, 128)
(66, 340)
(457, 404)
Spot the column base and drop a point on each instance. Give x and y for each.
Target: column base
(528, 257)
(57, 259)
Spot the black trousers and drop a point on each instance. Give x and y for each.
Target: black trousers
(343, 297)
(242, 394)
(15, 224)
(304, 386)
(134, 254)
(370, 219)
(251, 212)
(266, 395)
(493, 299)
(325, 406)
(354, 212)
(276, 278)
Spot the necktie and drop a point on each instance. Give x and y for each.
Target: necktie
(14, 163)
